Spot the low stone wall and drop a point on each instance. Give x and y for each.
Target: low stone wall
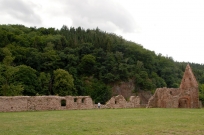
(120, 102)
(9, 104)
(32, 103)
(37, 103)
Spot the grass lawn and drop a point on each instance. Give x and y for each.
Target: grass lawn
(104, 122)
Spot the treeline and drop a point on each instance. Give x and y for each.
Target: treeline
(75, 61)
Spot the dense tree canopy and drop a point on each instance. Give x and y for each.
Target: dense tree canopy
(74, 61)
(63, 83)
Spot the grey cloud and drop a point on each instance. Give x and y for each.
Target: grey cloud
(20, 10)
(105, 14)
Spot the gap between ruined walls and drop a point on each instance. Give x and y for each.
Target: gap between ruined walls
(39, 103)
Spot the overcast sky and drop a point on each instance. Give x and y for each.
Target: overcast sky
(174, 28)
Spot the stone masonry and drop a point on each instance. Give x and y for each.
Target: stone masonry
(37, 103)
(120, 102)
(33, 103)
(186, 96)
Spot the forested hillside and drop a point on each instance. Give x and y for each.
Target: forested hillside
(75, 61)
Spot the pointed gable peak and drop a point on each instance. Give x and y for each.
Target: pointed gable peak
(189, 79)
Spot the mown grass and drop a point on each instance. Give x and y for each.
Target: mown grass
(104, 122)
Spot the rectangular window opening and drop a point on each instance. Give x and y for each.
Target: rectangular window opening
(63, 102)
(83, 99)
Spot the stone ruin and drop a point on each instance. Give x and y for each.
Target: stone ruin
(38, 103)
(186, 96)
(35, 103)
(127, 88)
(120, 102)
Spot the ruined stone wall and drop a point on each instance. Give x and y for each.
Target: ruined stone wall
(188, 80)
(120, 102)
(190, 97)
(174, 98)
(43, 103)
(79, 102)
(186, 96)
(164, 98)
(134, 102)
(32, 103)
(8, 104)
(37, 103)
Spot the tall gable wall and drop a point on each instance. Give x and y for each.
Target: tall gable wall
(188, 80)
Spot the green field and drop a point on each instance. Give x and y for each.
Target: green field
(104, 122)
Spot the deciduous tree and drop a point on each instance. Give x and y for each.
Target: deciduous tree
(63, 83)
